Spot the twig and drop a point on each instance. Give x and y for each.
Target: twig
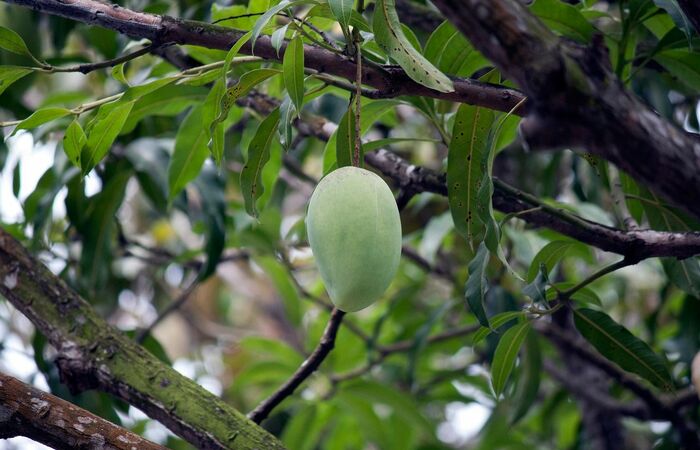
(90, 67)
(594, 276)
(174, 306)
(308, 367)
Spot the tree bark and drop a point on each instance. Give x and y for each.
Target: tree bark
(576, 100)
(92, 354)
(27, 411)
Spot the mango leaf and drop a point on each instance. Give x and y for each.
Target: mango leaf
(99, 227)
(286, 125)
(564, 18)
(620, 346)
(345, 139)
(550, 255)
(136, 92)
(685, 274)
(496, 322)
(529, 382)
(357, 20)
(584, 294)
(381, 143)
(101, 132)
(10, 74)
(167, 101)
(465, 168)
(281, 278)
(303, 430)
(535, 290)
(13, 42)
(40, 117)
(211, 187)
(293, 71)
(504, 357)
(189, 154)
(682, 64)
(277, 38)
(452, 53)
(245, 83)
(342, 10)
(265, 18)
(678, 16)
(258, 155)
(477, 284)
(389, 35)
(73, 142)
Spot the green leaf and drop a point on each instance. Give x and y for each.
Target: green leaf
(136, 92)
(167, 101)
(265, 18)
(496, 322)
(381, 143)
(118, 74)
(620, 346)
(211, 188)
(476, 285)
(682, 64)
(342, 10)
(549, 255)
(258, 155)
(564, 18)
(390, 37)
(584, 294)
(73, 142)
(303, 430)
(190, 152)
(246, 82)
(101, 132)
(10, 74)
(505, 355)
(678, 16)
(40, 117)
(452, 53)
(529, 382)
(685, 274)
(282, 280)
(535, 290)
(357, 20)
(345, 139)
(277, 38)
(466, 168)
(293, 71)
(12, 42)
(286, 125)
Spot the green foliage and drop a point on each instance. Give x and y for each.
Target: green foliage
(164, 171)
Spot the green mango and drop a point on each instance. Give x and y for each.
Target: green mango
(354, 230)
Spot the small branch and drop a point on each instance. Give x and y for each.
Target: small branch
(308, 367)
(594, 276)
(91, 67)
(173, 306)
(42, 417)
(618, 196)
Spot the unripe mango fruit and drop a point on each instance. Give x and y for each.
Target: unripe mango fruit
(354, 230)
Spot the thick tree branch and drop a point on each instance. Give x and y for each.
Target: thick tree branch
(92, 354)
(389, 81)
(27, 411)
(304, 371)
(576, 100)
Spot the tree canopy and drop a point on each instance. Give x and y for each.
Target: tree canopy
(157, 288)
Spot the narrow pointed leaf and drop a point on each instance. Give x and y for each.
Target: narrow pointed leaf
(293, 71)
(13, 42)
(345, 140)
(620, 346)
(258, 156)
(73, 142)
(102, 131)
(190, 152)
(505, 355)
(465, 168)
(476, 284)
(40, 117)
(390, 37)
(277, 38)
(342, 10)
(496, 322)
(10, 74)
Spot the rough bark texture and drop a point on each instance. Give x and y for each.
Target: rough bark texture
(390, 81)
(92, 354)
(576, 100)
(27, 411)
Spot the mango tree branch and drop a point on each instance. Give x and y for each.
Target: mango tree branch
(388, 81)
(92, 354)
(41, 417)
(576, 101)
(304, 371)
